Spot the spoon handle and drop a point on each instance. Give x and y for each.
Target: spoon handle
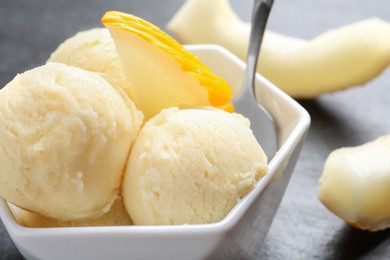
(260, 14)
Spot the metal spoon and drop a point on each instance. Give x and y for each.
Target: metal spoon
(245, 103)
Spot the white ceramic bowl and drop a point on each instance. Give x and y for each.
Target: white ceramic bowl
(238, 236)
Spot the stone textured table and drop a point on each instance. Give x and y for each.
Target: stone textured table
(303, 229)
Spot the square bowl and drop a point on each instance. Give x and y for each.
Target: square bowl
(239, 235)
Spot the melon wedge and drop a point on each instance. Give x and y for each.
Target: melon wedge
(340, 58)
(160, 71)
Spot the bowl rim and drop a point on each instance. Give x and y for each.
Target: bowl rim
(222, 226)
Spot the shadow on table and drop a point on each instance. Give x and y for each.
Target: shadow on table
(8, 250)
(327, 123)
(352, 243)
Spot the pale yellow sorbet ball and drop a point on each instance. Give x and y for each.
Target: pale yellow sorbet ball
(117, 216)
(191, 166)
(93, 50)
(65, 136)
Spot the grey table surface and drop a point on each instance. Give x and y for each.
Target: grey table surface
(303, 229)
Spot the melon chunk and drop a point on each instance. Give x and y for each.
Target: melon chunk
(355, 184)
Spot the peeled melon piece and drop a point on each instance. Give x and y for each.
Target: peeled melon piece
(355, 184)
(337, 59)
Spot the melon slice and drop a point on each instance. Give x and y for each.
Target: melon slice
(160, 71)
(340, 58)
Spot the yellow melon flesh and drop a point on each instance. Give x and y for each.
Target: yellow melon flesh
(160, 71)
